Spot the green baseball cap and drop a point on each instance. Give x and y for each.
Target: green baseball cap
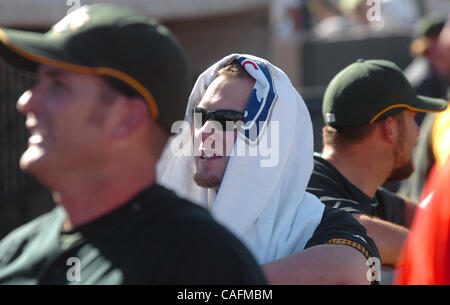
(428, 26)
(368, 91)
(109, 40)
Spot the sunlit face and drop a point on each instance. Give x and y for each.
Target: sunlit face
(225, 92)
(403, 152)
(65, 118)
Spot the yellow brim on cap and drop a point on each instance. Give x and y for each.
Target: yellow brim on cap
(20, 51)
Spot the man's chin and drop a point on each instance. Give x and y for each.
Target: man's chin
(402, 173)
(32, 160)
(207, 181)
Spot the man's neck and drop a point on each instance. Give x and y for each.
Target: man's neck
(96, 195)
(363, 171)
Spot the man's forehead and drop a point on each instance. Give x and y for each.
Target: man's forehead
(70, 77)
(229, 92)
(50, 71)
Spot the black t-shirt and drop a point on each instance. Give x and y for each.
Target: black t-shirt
(155, 238)
(340, 227)
(334, 190)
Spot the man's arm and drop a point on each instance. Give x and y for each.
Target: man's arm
(388, 237)
(322, 264)
(410, 210)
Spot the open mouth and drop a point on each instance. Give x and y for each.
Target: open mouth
(38, 131)
(37, 135)
(34, 127)
(35, 139)
(211, 156)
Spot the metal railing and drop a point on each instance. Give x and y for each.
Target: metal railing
(22, 198)
(13, 134)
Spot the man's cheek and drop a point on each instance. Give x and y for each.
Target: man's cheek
(229, 138)
(197, 143)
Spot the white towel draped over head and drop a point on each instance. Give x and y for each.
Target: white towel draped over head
(262, 198)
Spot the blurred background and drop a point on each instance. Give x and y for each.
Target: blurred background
(311, 40)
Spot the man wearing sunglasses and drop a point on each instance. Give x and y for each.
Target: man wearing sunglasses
(251, 159)
(212, 162)
(109, 84)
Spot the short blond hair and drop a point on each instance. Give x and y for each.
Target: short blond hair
(352, 134)
(234, 69)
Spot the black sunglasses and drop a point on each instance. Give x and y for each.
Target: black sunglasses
(220, 116)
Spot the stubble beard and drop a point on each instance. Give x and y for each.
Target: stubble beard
(402, 172)
(405, 169)
(208, 181)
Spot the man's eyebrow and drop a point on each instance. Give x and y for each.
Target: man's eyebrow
(53, 73)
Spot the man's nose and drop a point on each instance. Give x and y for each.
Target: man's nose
(28, 102)
(211, 131)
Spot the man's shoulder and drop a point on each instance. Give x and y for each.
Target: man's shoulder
(333, 219)
(324, 174)
(181, 218)
(33, 227)
(168, 205)
(19, 238)
(332, 188)
(340, 227)
(322, 165)
(189, 238)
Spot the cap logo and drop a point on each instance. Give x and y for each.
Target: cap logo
(73, 20)
(330, 117)
(261, 101)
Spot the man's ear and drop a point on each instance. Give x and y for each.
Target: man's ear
(134, 113)
(389, 130)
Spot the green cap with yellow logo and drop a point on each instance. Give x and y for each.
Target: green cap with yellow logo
(105, 39)
(368, 91)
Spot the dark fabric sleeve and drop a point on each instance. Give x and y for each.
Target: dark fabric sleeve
(340, 227)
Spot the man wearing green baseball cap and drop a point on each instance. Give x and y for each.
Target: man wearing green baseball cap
(368, 138)
(110, 83)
